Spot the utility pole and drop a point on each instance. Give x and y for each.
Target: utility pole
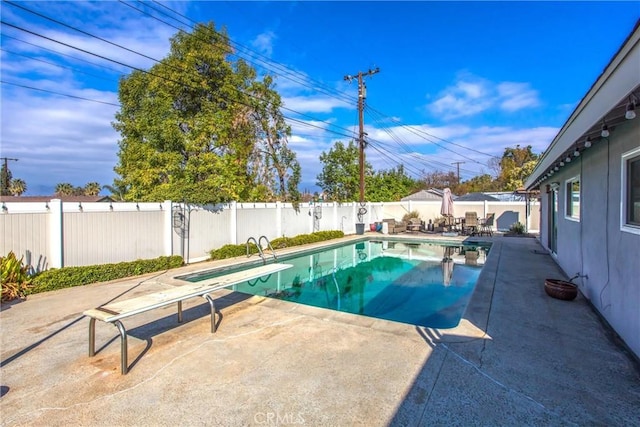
(458, 165)
(362, 94)
(5, 174)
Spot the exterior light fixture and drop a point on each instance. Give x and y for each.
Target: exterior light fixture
(631, 110)
(587, 142)
(568, 159)
(576, 153)
(561, 163)
(605, 130)
(556, 168)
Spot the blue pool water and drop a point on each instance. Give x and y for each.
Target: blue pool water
(427, 283)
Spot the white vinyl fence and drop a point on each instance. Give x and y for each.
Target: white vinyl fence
(56, 234)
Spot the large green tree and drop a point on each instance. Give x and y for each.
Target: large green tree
(340, 175)
(64, 189)
(17, 187)
(92, 189)
(389, 185)
(190, 126)
(5, 180)
(516, 165)
(273, 164)
(478, 184)
(440, 180)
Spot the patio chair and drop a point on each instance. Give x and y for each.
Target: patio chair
(471, 223)
(487, 225)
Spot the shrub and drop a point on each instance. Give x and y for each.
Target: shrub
(67, 277)
(517, 228)
(230, 251)
(409, 215)
(15, 280)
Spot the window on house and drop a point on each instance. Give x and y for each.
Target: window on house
(630, 215)
(572, 194)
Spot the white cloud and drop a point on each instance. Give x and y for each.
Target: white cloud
(517, 96)
(263, 43)
(314, 103)
(472, 95)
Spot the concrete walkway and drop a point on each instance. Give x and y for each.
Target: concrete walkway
(518, 357)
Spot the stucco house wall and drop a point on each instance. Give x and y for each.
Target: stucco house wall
(599, 245)
(595, 246)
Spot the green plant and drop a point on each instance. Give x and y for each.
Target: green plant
(517, 228)
(15, 280)
(231, 251)
(67, 277)
(409, 215)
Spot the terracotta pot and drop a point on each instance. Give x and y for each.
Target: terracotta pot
(560, 289)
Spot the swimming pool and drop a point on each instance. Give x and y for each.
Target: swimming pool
(421, 283)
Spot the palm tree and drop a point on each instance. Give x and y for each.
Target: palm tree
(117, 191)
(17, 187)
(64, 189)
(92, 189)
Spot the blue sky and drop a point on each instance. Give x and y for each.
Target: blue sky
(458, 82)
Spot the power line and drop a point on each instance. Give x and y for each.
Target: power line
(61, 53)
(405, 147)
(244, 50)
(284, 69)
(163, 77)
(432, 136)
(362, 94)
(58, 93)
(58, 65)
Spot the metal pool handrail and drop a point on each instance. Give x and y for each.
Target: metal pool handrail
(275, 258)
(258, 246)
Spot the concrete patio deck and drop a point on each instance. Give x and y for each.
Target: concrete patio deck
(518, 357)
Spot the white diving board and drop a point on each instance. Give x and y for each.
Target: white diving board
(114, 312)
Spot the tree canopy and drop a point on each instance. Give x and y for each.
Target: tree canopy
(5, 180)
(340, 175)
(201, 128)
(515, 166)
(10, 186)
(389, 185)
(67, 189)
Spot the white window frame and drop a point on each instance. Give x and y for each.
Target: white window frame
(568, 199)
(624, 191)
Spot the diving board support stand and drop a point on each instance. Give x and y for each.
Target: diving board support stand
(114, 312)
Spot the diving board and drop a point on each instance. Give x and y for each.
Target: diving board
(114, 312)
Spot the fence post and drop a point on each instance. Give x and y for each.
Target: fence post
(56, 236)
(278, 219)
(233, 223)
(355, 215)
(167, 227)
